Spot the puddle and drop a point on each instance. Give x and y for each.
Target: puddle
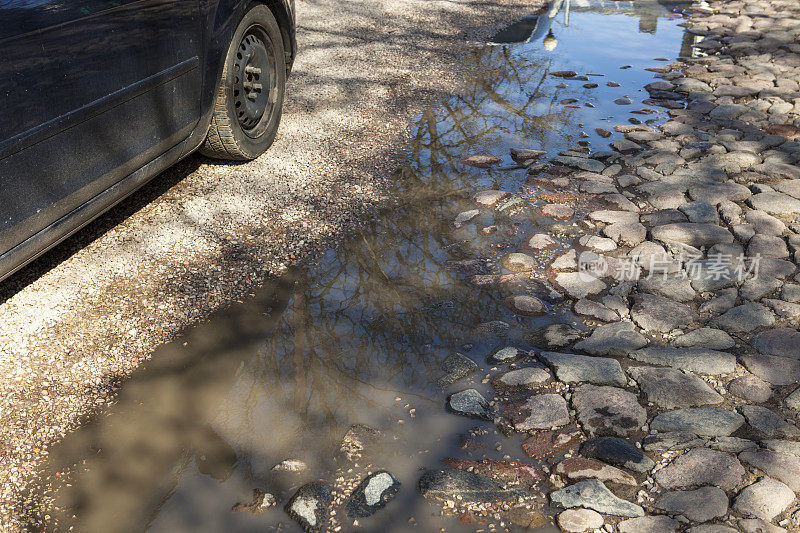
(359, 335)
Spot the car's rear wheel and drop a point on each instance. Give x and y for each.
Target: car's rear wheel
(249, 98)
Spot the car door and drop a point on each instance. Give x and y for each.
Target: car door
(91, 91)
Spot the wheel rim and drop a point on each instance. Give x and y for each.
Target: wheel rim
(254, 81)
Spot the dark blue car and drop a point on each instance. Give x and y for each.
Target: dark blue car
(99, 96)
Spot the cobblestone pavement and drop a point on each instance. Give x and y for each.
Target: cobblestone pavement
(683, 396)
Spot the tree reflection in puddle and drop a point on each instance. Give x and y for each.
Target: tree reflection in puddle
(357, 335)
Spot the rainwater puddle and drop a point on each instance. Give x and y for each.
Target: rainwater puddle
(358, 336)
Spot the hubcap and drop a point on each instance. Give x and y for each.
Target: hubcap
(253, 82)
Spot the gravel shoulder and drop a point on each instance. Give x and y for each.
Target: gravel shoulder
(205, 234)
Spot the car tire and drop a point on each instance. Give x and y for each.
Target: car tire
(249, 99)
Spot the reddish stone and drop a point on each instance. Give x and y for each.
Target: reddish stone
(502, 471)
(585, 468)
(480, 161)
(546, 443)
(785, 130)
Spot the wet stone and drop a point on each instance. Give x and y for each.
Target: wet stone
(546, 443)
(505, 472)
(523, 155)
(773, 369)
(579, 520)
(714, 339)
(750, 388)
(261, 502)
(699, 467)
(744, 318)
(656, 313)
(783, 342)
(576, 468)
(465, 216)
(505, 356)
(618, 452)
(649, 524)
(558, 335)
(310, 505)
(619, 338)
(561, 211)
(579, 284)
(572, 368)
(469, 403)
(372, 494)
(782, 466)
(707, 421)
(694, 359)
(490, 197)
(357, 440)
(700, 505)
(527, 378)
(542, 411)
(592, 494)
(669, 388)
(764, 499)
(518, 262)
(768, 423)
(480, 161)
(608, 410)
(589, 165)
(692, 234)
(523, 304)
(469, 488)
(540, 241)
(623, 101)
(625, 146)
(456, 367)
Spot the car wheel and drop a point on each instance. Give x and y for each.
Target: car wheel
(249, 98)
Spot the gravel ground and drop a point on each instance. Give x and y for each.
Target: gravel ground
(74, 324)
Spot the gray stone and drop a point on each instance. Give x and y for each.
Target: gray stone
(310, 506)
(750, 388)
(711, 275)
(572, 368)
(526, 305)
(700, 360)
(669, 388)
(708, 421)
(784, 467)
(452, 484)
(649, 524)
(626, 234)
(557, 335)
(579, 520)
(579, 284)
(731, 444)
(666, 198)
(674, 286)
(764, 499)
(793, 400)
(744, 318)
(625, 147)
(692, 234)
(608, 216)
(456, 367)
(679, 440)
(469, 403)
(540, 411)
(506, 355)
(756, 288)
(783, 342)
(592, 494)
(755, 525)
(591, 309)
(589, 165)
(618, 338)
(608, 410)
(715, 193)
(711, 338)
(784, 309)
(699, 467)
(768, 423)
(539, 241)
(700, 212)
(777, 268)
(490, 197)
(617, 451)
(711, 528)
(765, 223)
(783, 446)
(597, 244)
(576, 468)
(656, 313)
(775, 370)
(664, 216)
(527, 378)
(767, 246)
(791, 293)
(372, 494)
(465, 216)
(700, 505)
(775, 203)
(566, 261)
